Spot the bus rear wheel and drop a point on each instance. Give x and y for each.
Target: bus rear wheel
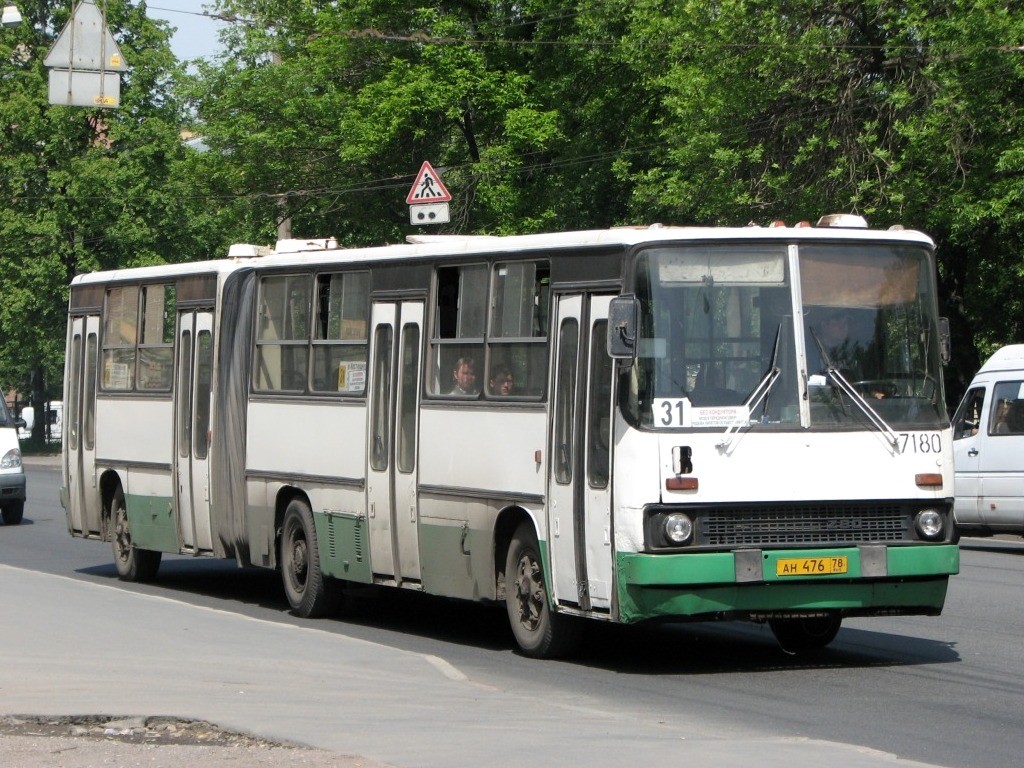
(805, 634)
(539, 631)
(310, 594)
(132, 564)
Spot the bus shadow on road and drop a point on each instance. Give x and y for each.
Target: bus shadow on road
(703, 648)
(365, 609)
(675, 649)
(691, 648)
(993, 545)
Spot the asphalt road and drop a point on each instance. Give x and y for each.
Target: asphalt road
(410, 680)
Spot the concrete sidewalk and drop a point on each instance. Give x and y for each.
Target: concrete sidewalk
(80, 648)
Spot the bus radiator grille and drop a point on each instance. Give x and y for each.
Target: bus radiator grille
(820, 524)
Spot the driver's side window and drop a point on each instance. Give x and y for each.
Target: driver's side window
(968, 415)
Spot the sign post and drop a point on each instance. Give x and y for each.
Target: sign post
(428, 198)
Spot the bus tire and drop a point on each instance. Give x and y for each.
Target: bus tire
(12, 512)
(132, 563)
(310, 594)
(805, 634)
(540, 632)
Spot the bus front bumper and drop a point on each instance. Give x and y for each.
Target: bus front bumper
(754, 583)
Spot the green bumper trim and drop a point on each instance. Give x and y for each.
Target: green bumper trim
(692, 585)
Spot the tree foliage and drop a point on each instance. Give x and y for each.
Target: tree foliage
(540, 116)
(82, 189)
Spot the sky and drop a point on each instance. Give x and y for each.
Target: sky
(197, 35)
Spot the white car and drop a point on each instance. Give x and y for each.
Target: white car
(12, 473)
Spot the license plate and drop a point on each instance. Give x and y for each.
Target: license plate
(810, 566)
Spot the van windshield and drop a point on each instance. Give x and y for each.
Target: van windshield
(5, 415)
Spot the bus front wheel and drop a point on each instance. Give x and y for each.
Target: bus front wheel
(132, 563)
(805, 634)
(310, 594)
(539, 631)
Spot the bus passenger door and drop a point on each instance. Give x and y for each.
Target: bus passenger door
(579, 489)
(394, 387)
(193, 400)
(80, 425)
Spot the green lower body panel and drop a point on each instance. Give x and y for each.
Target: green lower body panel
(455, 560)
(879, 580)
(151, 522)
(343, 549)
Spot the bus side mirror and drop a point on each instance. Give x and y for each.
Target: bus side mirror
(945, 346)
(622, 322)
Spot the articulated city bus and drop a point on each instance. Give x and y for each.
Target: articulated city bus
(626, 425)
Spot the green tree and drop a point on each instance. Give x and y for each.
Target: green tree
(83, 189)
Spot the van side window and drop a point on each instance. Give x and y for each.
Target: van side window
(1006, 416)
(968, 415)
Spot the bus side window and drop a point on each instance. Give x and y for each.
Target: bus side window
(458, 333)
(518, 329)
(339, 338)
(282, 344)
(120, 334)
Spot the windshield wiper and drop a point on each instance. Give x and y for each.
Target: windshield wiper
(769, 378)
(759, 393)
(839, 382)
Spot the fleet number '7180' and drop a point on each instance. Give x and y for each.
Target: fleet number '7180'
(920, 442)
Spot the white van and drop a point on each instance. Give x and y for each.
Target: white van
(12, 473)
(988, 448)
(54, 415)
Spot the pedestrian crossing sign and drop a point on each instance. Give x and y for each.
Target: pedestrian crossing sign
(428, 187)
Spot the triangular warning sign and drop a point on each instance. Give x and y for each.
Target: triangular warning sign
(428, 187)
(86, 43)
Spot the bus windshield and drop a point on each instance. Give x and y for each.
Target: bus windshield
(718, 344)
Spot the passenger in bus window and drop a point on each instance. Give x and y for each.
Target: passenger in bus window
(501, 381)
(464, 375)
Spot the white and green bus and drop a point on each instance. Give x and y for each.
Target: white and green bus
(627, 425)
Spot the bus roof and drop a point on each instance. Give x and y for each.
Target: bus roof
(323, 251)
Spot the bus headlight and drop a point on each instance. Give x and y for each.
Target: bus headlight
(678, 528)
(929, 524)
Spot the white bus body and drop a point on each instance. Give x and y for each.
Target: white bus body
(674, 446)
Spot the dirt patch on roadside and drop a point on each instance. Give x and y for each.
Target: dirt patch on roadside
(133, 730)
(28, 741)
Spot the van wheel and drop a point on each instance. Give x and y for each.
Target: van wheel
(805, 634)
(539, 631)
(310, 594)
(12, 512)
(132, 564)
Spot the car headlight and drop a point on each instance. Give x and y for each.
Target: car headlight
(678, 528)
(929, 524)
(11, 459)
